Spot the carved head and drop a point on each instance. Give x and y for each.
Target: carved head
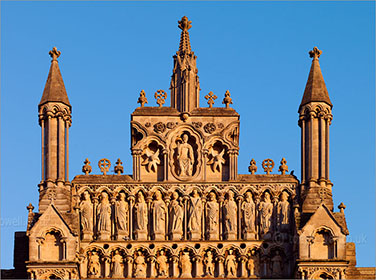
(161, 252)
(104, 196)
(175, 195)
(248, 196)
(284, 196)
(212, 196)
(158, 195)
(121, 196)
(140, 197)
(230, 195)
(86, 195)
(185, 138)
(195, 193)
(267, 197)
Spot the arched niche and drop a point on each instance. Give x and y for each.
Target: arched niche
(323, 245)
(53, 246)
(217, 161)
(152, 160)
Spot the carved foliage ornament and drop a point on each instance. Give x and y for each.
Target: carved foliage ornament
(210, 128)
(159, 127)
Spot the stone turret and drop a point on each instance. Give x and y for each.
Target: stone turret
(55, 120)
(315, 115)
(185, 85)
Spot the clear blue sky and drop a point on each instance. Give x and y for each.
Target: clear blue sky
(257, 50)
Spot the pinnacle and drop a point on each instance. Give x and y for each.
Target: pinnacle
(184, 25)
(315, 90)
(54, 90)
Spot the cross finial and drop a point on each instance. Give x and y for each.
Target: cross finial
(54, 53)
(161, 96)
(210, 97)
(315, 53)
(184, 23)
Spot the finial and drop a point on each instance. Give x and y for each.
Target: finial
(30, 208)
(283, 168)
(54, 53)
(119, 168)
(184, 23)
(104, 165)
(252, 167)
(86, 168)
(142, 99)
(342, 207)
(268, 165)
(161, 96)
(210, 97)
(315, 53)
(227, 100)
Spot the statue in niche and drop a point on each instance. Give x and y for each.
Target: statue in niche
(277, 265)
(104, 215)
(185, 265)
(230, 264)
(117, 270)
(216, 160)
(152, 160)
(283, 212)
(86, 208)
(209, 264)
(195, 215)
(176, 215)
(139, 266)
(212, 216)
(251, 265)
(121, 214)
(94, 265)
(266, 211)
(185, 157)
(230, 212)
(249, 214)
(141, 213)
(162, 265)
(159, 216)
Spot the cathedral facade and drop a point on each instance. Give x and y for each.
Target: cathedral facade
(185, 212)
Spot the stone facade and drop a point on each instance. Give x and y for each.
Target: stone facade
(185, 212)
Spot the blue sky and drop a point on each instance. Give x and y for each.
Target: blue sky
(257, 50)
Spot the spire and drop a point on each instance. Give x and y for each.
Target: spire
(184, 25)
(185, 85)
(54, 90)
(315, 90)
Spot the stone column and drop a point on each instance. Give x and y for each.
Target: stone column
(322, 151)
(67, 125)
(107, 268)
(61, 148)
(83, 266)
(129, 260)
(131, 200)
(233, 164)
(221, 198)
(239, 225)
(199, 272)
(95, 204)
(149, 200)
(167, 219)
(185, 229)
(303, 150)
(136, 154)
(165, 167)
(175, 266)
(243, 270)
(153, 272)
(205, 153)
(221, 271)
(43, 152)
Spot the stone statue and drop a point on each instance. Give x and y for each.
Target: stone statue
(139, 266)
(117, 271)
(159, 211)
(94, 265)
(185, 157)
(230, 213)
(122, 215)
(141, 217)
(195, 215)
(152, 160)
(266, 211)
(104, 217)
(212, 217)
(176, 217)
(185, 265)
(249, 214)
(216, 160)
(86, 208)
(277, 265)
(209, 265)
(162, 265)
(283, 212)
(230, 264)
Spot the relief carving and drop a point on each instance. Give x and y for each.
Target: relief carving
(139, 265)
(122, 216)
(159, 211)
(209, 264)
(176, 217)
(248, 215)
(159, 127)
(231, 264)
(151, 160)
(141, 217)
(94, 265)
(210, 128)
(195, 215)
(185, 265)
(283, 213)
(104, 217)
(162, 264)
(230, 213)
(216, 159)
(266, 211)
(212, 217)
(117, 270)
(185, 157)
(86, 209)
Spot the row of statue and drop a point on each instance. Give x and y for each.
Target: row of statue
(193, 217)
(184, 265)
